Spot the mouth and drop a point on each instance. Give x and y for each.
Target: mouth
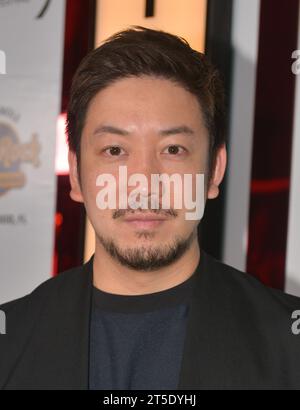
(146, 221)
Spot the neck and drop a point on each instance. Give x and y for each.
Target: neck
(112, 277)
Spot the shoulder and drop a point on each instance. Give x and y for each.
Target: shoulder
(57, 287)
(249, 283)
(248, 297)
(38, 315)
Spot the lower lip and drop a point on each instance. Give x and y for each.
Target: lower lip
(145, 224)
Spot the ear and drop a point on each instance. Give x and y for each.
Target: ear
(75, 192)
(218, 173)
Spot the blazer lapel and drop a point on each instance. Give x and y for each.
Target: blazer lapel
(56, 354)
(203, 357)
(72, 344)
(208, 347)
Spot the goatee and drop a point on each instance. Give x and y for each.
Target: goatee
(147, 258)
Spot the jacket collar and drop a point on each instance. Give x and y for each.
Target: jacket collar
(204, 340)
(206, 332)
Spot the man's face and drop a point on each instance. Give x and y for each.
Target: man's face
(132, 123)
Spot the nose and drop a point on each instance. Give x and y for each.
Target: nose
(147, 164)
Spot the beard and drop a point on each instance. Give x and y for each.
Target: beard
(147, 258)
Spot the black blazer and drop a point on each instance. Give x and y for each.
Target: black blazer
(238, 333)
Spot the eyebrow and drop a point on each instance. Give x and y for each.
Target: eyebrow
(109, 129)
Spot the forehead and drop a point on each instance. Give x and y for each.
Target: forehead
(143, 101)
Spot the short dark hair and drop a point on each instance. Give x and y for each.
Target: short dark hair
(139, 51)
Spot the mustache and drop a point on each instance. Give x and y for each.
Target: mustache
(121, 212)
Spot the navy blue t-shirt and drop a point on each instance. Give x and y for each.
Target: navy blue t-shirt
(136, 341)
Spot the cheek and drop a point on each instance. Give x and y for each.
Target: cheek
(89, 173)
(89, 190)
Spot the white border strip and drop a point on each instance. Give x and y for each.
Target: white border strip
(245, 46)
(292, 268)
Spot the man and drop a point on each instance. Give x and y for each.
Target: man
(149, 310)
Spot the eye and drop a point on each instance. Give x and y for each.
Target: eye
(175, 150)
(113, 151)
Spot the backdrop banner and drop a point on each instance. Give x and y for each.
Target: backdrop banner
(31, 44)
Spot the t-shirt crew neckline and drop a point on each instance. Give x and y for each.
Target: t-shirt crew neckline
(173, 296)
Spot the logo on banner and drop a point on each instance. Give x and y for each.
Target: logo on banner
(12, 155)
